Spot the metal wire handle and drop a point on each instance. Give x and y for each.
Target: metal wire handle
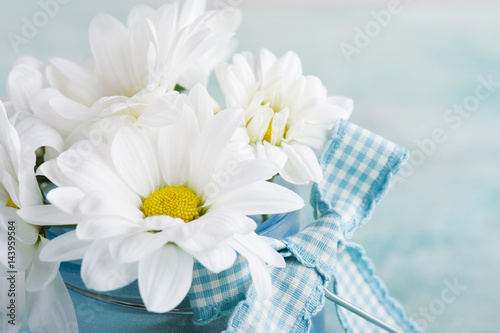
(363, 314)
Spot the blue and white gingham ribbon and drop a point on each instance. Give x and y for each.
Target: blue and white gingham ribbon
(357, 167)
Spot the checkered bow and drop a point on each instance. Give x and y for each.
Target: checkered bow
(357, 167)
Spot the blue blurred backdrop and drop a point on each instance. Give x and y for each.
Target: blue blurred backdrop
(418, 76)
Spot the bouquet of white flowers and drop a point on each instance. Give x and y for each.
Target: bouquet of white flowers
(150, 173)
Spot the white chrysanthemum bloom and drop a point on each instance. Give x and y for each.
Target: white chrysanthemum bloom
(287, 114)
(45, 301)
(145, 209)
(133, 70)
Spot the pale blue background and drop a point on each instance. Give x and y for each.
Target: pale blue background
(443, 222)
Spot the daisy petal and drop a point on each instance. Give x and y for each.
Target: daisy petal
(213, 141)
(12, 187)
(235, 176)
(66, 199)
(135, 160)
(263, 63)
(202, 104)
(174, 148)
(229, 222)
(302, 165)
(165, 111)
(260, 277)
(51, 170)
(51, 309)
(9, 141)
(203, 241)
(108, 41)
(34, 134)
(255, 244)
(137, 47)
(102, 203)
(74, 81)
(260, 198)
(160, 222)
(41, 106)
(217, 259)
(41, 273)
(291, 61)
(275, 154)
(258, 270)
(131, 248)
(91, 173)
(24, 81)
(314, 137)
(101, 272)
(165, 278)
(69, 109)
(92, 228)
(66, 247)
(46, 215)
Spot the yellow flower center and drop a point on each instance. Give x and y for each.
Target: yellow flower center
(267, 136)
(175, 201)
(11, 204)
(281, 128)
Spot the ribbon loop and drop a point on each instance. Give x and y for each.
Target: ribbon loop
(357, 167)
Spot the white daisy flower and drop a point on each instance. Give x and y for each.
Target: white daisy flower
(48, 304)
(287, 114)
(133, 70)
(146, 209)
(26, 80)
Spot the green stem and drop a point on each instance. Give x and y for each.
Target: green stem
(179, 88)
